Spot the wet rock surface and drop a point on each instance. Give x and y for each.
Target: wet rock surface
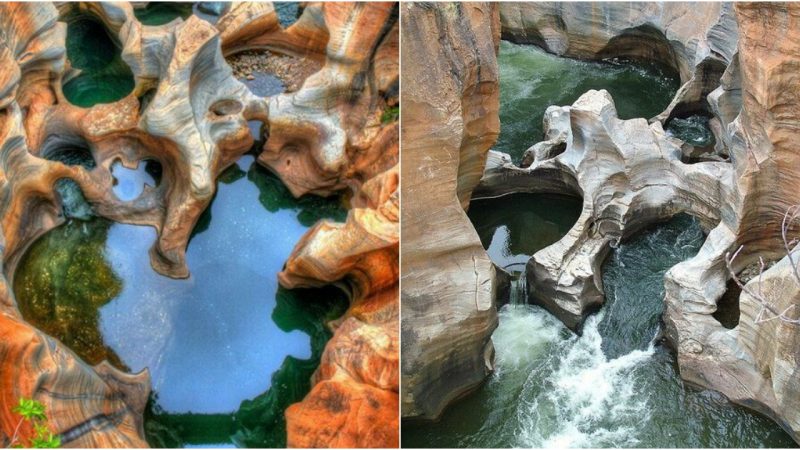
(734, 62)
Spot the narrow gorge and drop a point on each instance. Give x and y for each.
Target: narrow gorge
(598, 178)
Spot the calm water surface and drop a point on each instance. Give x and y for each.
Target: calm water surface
(211, 342)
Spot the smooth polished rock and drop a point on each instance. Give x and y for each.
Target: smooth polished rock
(449, 123)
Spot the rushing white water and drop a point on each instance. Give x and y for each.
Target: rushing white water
(575, 396)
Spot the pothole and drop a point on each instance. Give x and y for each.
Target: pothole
(104, 77)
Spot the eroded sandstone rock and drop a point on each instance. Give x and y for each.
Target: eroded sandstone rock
(629, 174)
(188, 113)
(755, 363)
(449, 122)
(738, 63)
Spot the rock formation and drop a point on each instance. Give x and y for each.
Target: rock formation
(629, 174)
(737, 64)
(188, 113)
(755, 363)
(449, 122)
(697, 40)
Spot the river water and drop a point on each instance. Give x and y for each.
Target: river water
(532, 79)
(616, 384)
(612, 386)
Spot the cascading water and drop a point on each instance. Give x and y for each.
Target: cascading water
(518, 295)
(612, 386)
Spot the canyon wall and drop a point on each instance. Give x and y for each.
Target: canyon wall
(738, 64)
(190, 114)
(755, 363)
(449, 122)
(697, 40)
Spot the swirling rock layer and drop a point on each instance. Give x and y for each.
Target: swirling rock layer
(189, 113)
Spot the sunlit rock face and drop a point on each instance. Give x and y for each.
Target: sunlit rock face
(628, 172)
(449, 123)
(187, 113)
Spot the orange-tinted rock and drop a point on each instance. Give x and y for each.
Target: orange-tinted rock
(344, 415)
(194, 124)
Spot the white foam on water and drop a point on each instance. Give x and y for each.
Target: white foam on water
(579, 397)
(524, 334)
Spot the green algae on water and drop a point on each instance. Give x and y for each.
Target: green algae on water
(228, 349)
(104, 77)
(55, 293)
(532, 80)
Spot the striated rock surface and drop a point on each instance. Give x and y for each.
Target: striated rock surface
(188, 113)
(450, 120)
(629, 174)
(738, 65)
(89, 407)
(755, 363)
(330, 136)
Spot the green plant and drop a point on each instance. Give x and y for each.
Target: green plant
(390, 114)
(33, 412)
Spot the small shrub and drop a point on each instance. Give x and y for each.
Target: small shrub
(391, 114)
(34, 412)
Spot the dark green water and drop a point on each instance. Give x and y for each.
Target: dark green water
(693, 130)
(514, 227)
(611, 387)
(104, 78)
(159, 13)
(531, 80)
(227, 349)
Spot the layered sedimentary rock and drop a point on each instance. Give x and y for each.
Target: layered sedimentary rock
(90, 407)
(754, 363)
(188, 113)
(737, 64)
(450, 120)
(331, 136)
(629, 174)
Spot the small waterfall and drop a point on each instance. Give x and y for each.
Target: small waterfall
(519, 290)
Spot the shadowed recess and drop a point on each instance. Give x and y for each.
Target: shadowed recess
(514, 227)
(160, 13)
(693, 130)
(104, 77)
